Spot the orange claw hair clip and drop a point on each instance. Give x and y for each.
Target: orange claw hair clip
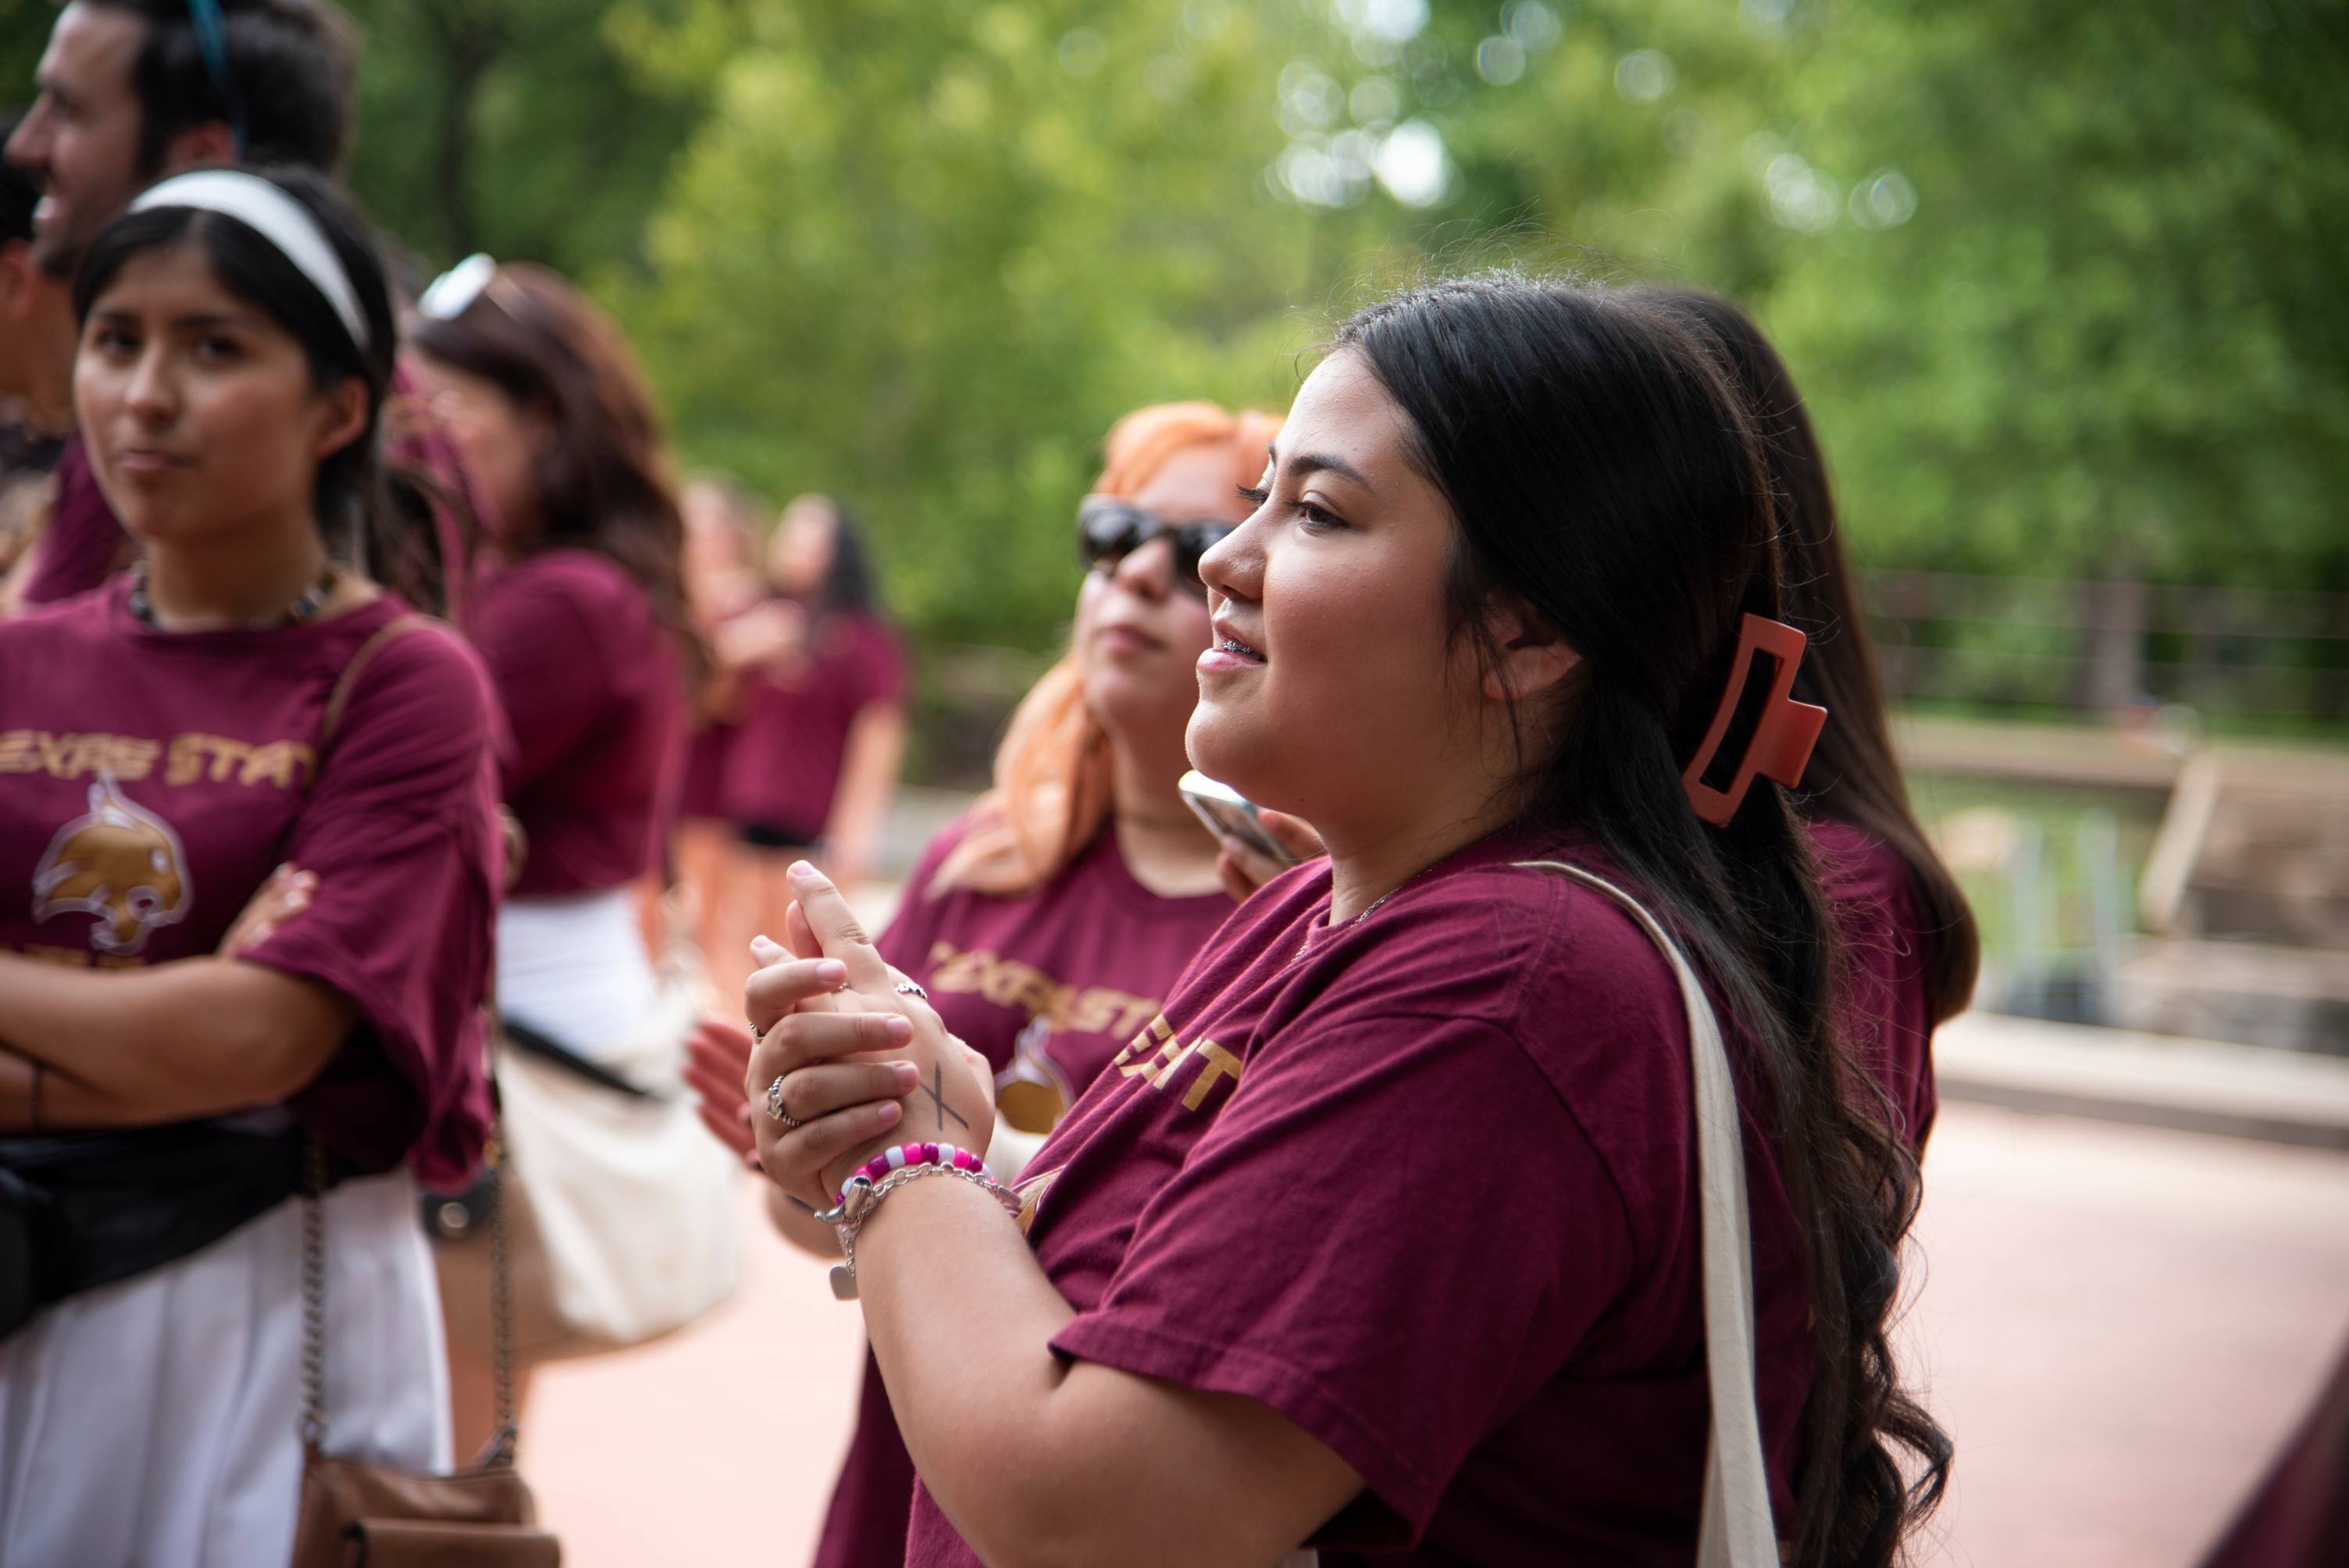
(1783, 736)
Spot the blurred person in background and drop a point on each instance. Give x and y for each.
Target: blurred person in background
(130, 90)
(247, 716)
(1050, 922)
(37, 339)
(723, 585)
(585, 622)
(1910, 946)
(823, 710)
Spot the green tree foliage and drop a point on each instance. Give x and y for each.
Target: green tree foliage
(24, 31)
(2056, 278)
(2059, 277)
(514, 127)
(511, 126)
(923, 251)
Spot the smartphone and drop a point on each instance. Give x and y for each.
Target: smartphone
(1229, 813)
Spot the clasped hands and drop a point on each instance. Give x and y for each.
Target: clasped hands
(862, 1064)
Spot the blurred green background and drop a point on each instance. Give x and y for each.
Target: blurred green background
(2061, 278)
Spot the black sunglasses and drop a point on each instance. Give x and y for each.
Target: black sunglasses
(1110, 529)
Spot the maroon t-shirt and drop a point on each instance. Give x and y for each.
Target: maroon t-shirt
(784, 768)
(1888, 1009)
(1047, 987)
(83, 545)
(151, 781)
(699, 795)
(592, 691)
(1425, 1184)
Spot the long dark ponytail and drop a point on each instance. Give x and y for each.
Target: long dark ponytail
(1601, 467)
(1854, 775)
(369, 519)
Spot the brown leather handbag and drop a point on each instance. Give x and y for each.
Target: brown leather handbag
(355, 1514)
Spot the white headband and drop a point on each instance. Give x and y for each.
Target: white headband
(277, 218)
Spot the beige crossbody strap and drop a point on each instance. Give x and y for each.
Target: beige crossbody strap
(340, 697)
(1736, 1531)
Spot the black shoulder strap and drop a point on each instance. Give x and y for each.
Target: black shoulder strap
(522, 1037)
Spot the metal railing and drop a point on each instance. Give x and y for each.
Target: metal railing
(2105, 646)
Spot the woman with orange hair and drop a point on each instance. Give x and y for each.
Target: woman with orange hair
(1049, 923)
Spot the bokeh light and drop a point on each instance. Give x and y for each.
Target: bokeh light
(1643, 76)
(1532, 23)
(1801, 198)
(1500, 60)
(1884, 200)
(1766, 19)
(1412, 165)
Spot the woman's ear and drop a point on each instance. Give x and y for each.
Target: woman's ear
(342, 417)
(1531, 659)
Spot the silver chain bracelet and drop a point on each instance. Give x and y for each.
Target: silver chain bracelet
(862, 1195)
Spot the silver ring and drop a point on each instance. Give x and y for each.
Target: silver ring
(910, 988)
(775, 1104)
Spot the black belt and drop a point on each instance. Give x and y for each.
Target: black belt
(525, 1038)
(82, 1209)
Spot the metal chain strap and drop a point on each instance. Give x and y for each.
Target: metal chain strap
(843, 1275)
(314, 1292)
(508, 1437)
(313, 1306)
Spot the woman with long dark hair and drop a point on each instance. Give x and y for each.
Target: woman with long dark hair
(585, 622)
(1385, 1234)
(1910, 945)
(174, 1075)
(821, 708)
(1049, 923)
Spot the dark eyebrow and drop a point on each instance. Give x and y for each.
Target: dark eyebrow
(1316, 463)
(195, 322)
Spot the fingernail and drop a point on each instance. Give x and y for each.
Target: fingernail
(801, 871)
(907, 1076)
(832, 972)
(901, 1030)
(298, 900)
(890, 1111)
(766, 950)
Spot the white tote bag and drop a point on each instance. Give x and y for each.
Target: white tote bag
(635, 1204)
(1735, 1530)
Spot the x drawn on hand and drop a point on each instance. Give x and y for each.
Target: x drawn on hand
(934, 1089)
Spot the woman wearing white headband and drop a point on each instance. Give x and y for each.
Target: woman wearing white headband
(175, 1076)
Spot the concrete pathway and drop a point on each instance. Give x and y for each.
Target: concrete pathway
(2118, 1325)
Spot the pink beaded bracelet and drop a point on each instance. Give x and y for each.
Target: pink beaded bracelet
(898, 1156)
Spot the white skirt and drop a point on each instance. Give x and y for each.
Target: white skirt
(156, 1422)
(572, 966)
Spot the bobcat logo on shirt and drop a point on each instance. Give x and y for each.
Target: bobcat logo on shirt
(120, 863)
